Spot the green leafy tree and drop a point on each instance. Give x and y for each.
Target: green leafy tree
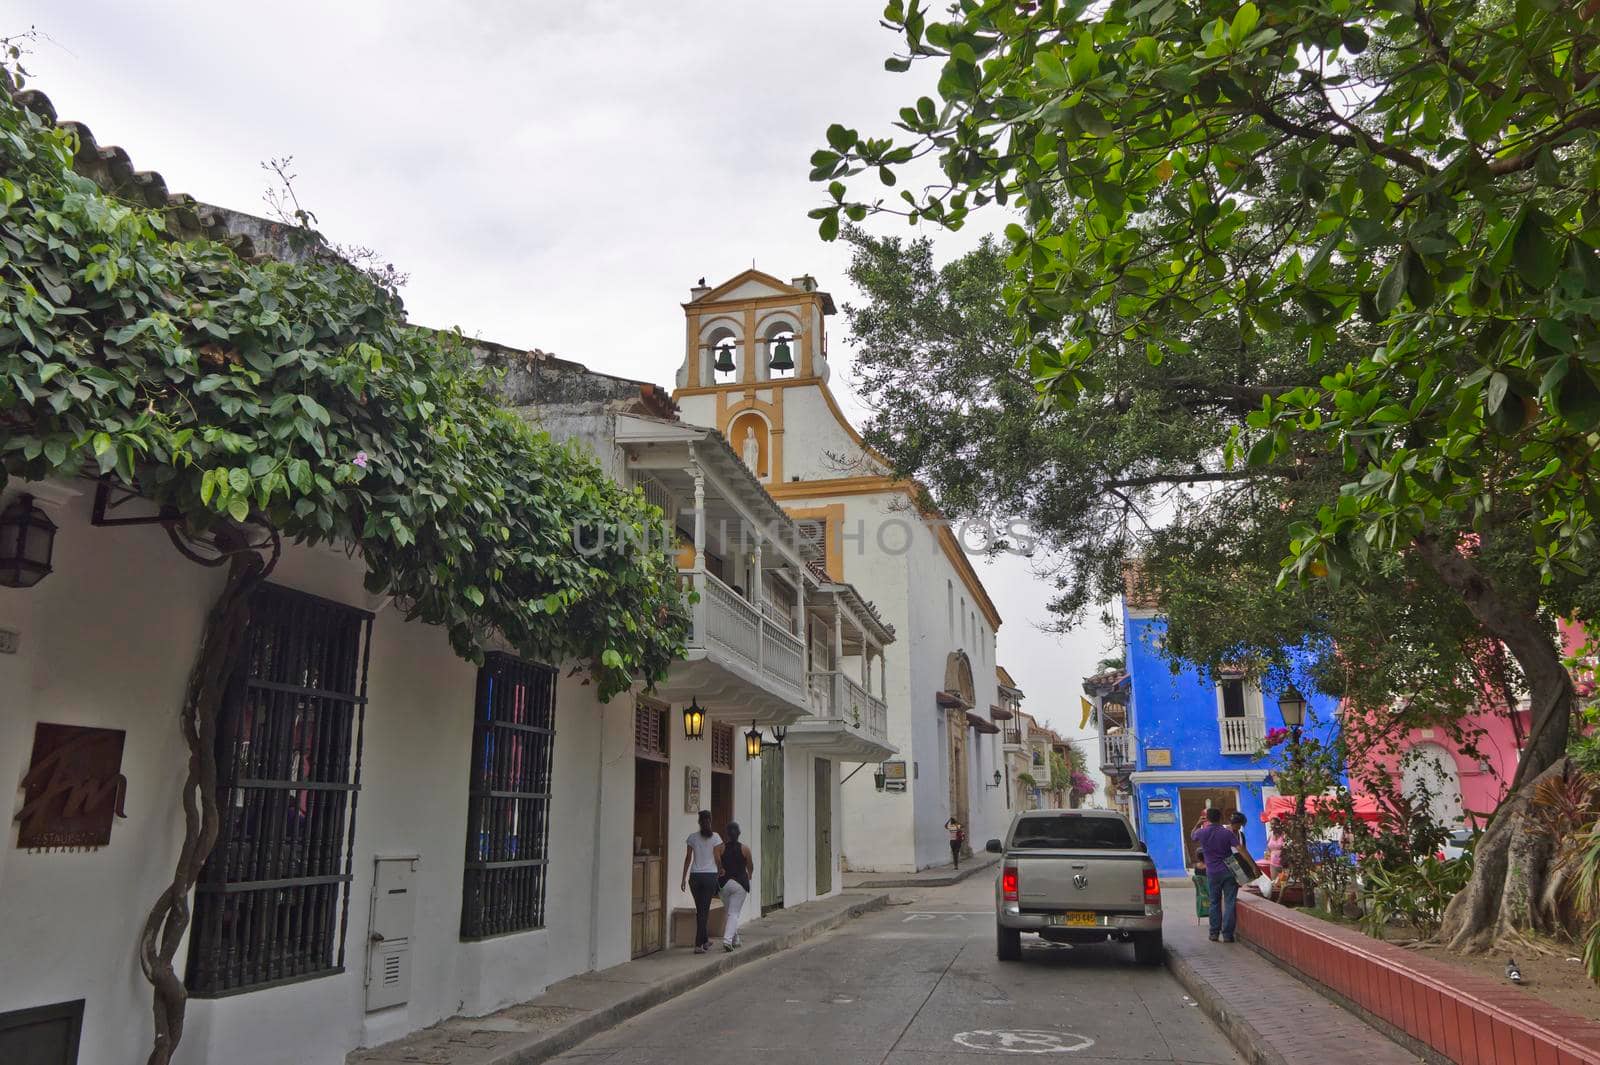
(1401, 193)
(255, 402)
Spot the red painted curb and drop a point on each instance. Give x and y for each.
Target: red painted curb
(1466, 1018)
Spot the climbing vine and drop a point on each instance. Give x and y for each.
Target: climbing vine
(260, 401)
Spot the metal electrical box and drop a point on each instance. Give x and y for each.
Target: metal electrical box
(394, 911)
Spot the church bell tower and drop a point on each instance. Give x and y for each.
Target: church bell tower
(747, 342)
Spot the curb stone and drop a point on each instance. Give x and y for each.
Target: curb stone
(944, 880)
(600, 1021)
(1245, 1037)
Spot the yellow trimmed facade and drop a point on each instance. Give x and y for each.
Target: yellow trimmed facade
(785, 422)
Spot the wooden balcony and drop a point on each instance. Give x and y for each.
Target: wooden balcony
(1118, 752)
(847, 721)
(741, 663)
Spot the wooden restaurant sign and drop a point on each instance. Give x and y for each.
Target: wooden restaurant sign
(73, 789)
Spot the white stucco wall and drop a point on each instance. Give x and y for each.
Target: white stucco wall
(108, 639)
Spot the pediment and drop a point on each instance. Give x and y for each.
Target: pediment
(752, 284)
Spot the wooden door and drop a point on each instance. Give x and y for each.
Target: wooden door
(771, 828)
(824, 805)
(649, 909)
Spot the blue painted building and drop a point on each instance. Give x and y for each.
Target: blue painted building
(1192, 741)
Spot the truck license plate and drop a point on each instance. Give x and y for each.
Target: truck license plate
(1075, 919)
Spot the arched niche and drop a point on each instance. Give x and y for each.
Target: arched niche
(717, 335)
(777, 328)
(751, 439)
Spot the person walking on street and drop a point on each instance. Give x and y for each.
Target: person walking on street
(736, 863)
(700, 878)
(1218, 844)
(957, 837)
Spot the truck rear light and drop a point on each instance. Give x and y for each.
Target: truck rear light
(1008, 884)
(1152, 886)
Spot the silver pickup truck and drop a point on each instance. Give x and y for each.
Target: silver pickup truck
(1076, 876)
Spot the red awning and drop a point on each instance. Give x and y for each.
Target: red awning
(1279, 805)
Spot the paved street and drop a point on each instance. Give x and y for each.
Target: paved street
(920, 984)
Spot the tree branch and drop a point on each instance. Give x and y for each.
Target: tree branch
(1189, 478)
(1356, 138)
(1430, 30)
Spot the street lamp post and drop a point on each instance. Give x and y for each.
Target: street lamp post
(1293, 707)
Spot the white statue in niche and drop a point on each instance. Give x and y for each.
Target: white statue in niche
(752, 450)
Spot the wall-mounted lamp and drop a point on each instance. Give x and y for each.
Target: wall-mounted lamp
(997, 779)
(752, 743)
(27, 541)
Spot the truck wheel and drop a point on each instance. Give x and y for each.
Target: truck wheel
(1009, 945)
(1147, 948)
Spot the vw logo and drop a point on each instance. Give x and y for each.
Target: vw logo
(1080, 881)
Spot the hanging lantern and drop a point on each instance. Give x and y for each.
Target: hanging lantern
(694, 720)
(752, 743)
(27, 540)
(724, 363)
(781, 358)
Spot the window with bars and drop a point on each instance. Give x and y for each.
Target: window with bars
(650, 731)
(722, 747)
(272, 901)
(508, 801)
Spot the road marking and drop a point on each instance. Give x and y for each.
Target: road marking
(948, 915)
(1023, 1041)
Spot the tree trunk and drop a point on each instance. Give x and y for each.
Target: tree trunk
(221, 641)
(1511, 861)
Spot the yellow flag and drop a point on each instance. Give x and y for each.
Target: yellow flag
(1088, 710)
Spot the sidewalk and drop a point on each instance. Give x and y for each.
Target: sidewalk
(1271, 1017)
(586, 1005)
(933, 876)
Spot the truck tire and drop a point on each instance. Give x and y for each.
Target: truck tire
(1147, 949)
(1009, 943)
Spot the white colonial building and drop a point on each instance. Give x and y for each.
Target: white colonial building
(407, 836)
(404, 836)
(755, 368)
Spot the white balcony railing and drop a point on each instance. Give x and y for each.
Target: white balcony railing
(835, 697)
(729, 623)
(655, 492)
(1242, 735)
(1117, 750)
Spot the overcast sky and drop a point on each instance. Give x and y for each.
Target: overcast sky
(550, 175)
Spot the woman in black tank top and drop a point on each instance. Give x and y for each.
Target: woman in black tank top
(733, 858)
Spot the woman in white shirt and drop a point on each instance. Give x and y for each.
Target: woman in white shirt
(700, 878)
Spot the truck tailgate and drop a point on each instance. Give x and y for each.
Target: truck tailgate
(1061, 880)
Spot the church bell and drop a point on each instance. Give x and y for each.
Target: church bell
(781, 359)
(724, 363)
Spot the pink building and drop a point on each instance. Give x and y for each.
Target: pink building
(1467, 778)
